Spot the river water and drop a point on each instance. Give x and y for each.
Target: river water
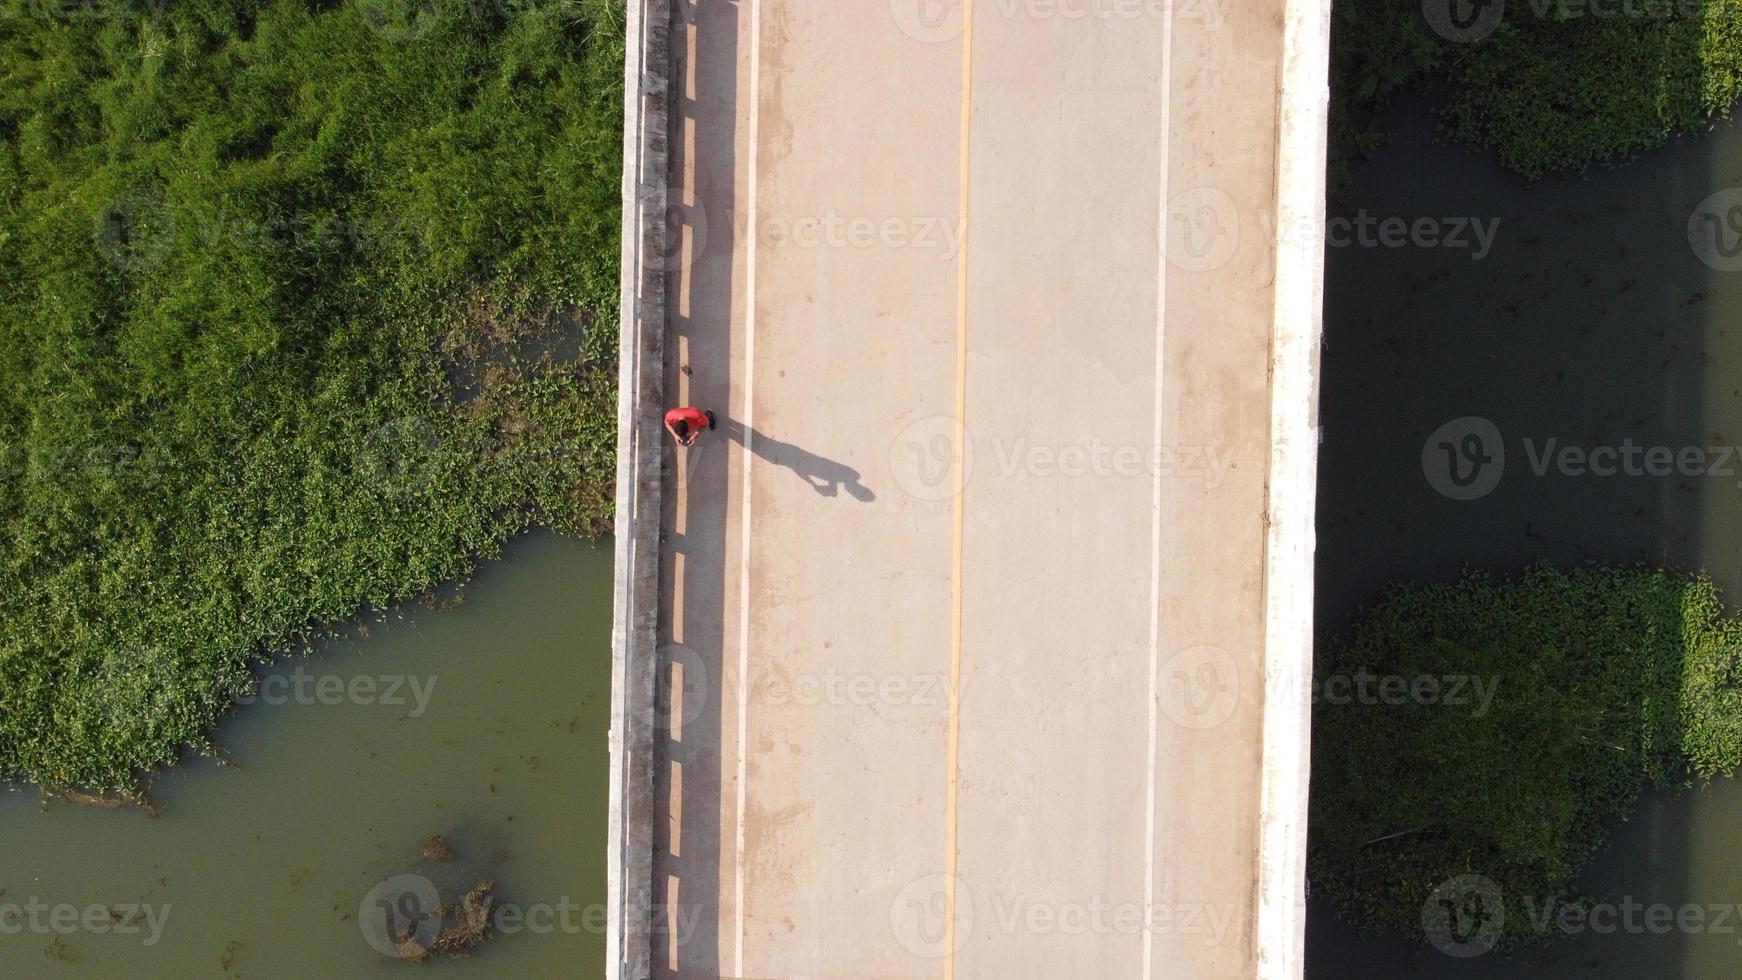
(486, 724)
(1591, 321)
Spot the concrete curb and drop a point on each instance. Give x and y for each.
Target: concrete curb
(640, 397)
(1288, 573)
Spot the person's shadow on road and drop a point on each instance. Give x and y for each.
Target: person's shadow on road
(825, 476)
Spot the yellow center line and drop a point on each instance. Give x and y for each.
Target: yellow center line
(960, 487)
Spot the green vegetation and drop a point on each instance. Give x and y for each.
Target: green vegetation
(1553, 86)
(280, 286)
(1603, 680)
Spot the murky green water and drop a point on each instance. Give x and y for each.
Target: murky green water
(486, 724)
(1592, 322)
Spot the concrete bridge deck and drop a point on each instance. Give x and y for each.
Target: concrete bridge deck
(983, 617)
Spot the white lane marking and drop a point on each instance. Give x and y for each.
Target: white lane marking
(1155, 499)
(749, 456)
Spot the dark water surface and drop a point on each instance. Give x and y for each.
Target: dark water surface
(494, 737)
(1592, 322)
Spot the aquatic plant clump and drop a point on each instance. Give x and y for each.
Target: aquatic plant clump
(1577, 690)
(304, 309)
(1550, 86)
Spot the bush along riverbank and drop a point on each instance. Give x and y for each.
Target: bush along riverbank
(305, 308)
(1550, 86)
(1486, 730)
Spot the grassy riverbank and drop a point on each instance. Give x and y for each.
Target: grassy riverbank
(278, 288)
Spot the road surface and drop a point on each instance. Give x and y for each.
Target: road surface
(967, 607)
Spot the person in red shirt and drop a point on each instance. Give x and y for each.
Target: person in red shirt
(686, 423)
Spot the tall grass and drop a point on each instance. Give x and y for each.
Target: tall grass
(279, 288)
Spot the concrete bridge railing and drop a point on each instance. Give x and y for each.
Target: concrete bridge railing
(641, 381)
